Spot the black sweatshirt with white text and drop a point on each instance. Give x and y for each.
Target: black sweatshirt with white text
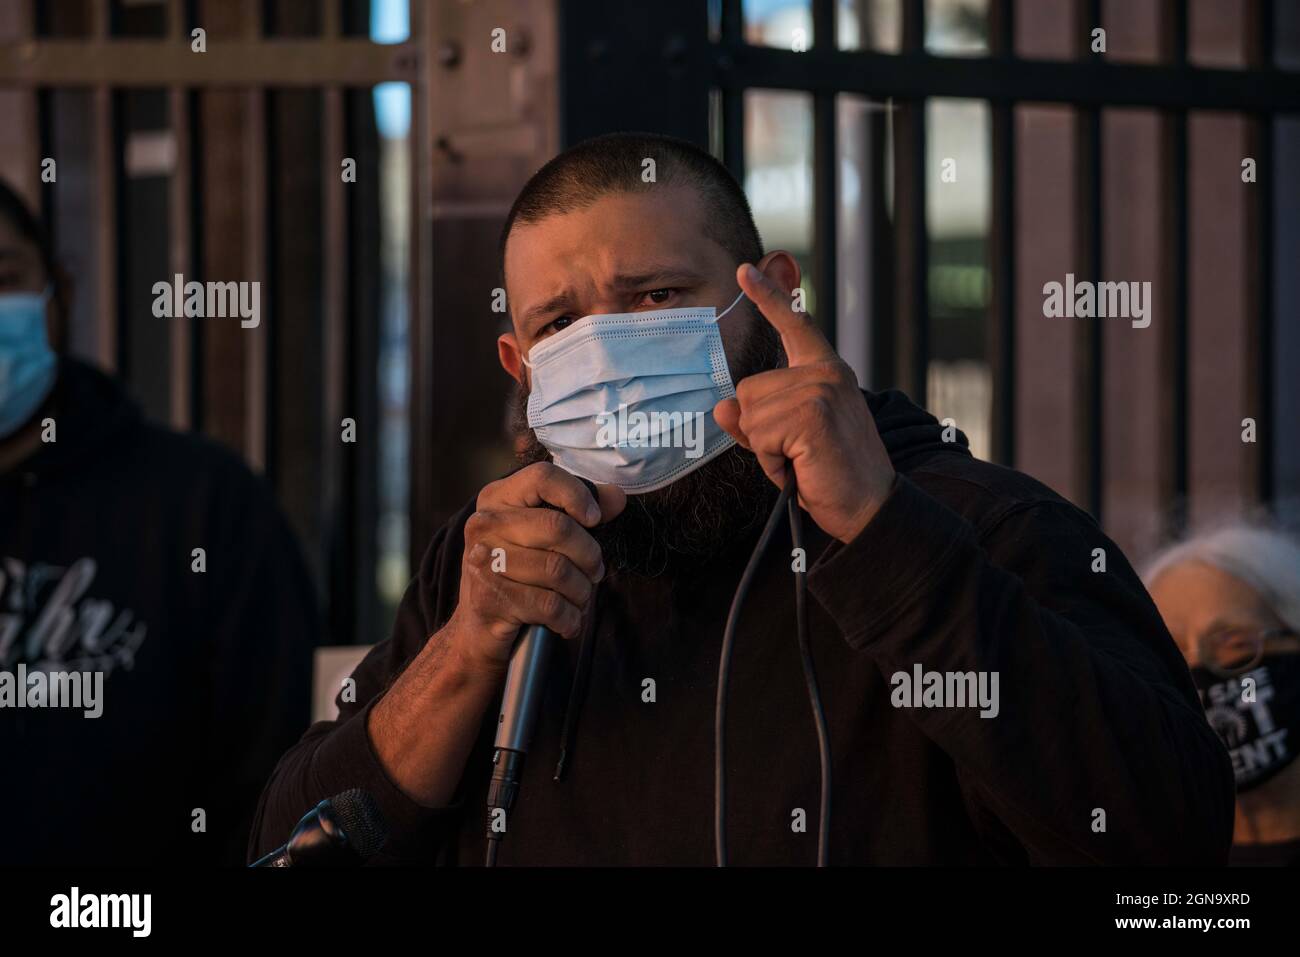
(205, 658)
(1099, 752)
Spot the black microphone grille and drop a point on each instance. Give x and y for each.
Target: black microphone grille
(359, 816)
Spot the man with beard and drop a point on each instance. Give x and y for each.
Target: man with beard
(921, 561)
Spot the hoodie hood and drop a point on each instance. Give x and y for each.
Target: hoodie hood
(92, 413)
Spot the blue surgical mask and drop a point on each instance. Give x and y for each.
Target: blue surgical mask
(627, 399)
(27, 363)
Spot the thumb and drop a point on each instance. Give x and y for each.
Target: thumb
(612, 501)
(727, 414)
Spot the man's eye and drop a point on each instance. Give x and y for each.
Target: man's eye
(555, 325)
(658, 296)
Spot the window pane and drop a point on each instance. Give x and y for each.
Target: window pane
(1048, 390)
(958, 195)
(778, 173)
(779, 23)
(869, 25)
(1216, 33)
(138, 19)
(390, 21)
(1219, 271)
(1286, 306)
(1133, 30)
(1134, 429)
(959, 27)
(63, 18)
(148, 160)
(1046, 29)
(1286, 35)
(293, 18)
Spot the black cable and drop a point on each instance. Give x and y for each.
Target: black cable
(810, 679)
(724, 665)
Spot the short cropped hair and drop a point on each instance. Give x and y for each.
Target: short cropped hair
(614, 163)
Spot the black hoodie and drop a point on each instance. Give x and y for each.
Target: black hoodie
(1099, 751)
(207, 674)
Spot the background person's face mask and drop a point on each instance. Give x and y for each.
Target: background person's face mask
(27, 363)
(627, 399)
(1260, 735)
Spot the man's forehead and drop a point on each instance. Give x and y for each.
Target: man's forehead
(622, 234)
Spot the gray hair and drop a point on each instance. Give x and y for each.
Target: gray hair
(1266, 560)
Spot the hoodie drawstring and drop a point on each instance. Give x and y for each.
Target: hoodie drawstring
(577, 692)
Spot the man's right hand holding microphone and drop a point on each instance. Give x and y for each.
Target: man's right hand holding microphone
(524, 564)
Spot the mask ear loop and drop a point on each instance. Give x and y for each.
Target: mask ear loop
(730, 307)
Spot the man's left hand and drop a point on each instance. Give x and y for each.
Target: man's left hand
(812, 416)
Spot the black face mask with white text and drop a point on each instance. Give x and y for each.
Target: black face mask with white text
(1256, 715)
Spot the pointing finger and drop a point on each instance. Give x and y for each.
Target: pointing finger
(803, 341)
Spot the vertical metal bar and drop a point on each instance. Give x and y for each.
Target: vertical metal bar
(883, 269)
(913, 26)
(198, 262)
(259, 394)
(914, 253)
(337, 507)
(1259, 20)
(180, 229)
(733, 98)
(333, 512)
(40, 133)
(107, 336)
(1175, 20)
(825, 180)
(331, 24)
(1088, 220)
(335, 256)
(910, 213)
(1002, 246)
(421, 291)
(41, 140)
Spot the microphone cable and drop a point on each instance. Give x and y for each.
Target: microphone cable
(789, 500)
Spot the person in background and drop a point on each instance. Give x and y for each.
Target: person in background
(198, 662)
(1231, 599)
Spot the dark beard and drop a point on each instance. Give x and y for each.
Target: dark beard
(681, 526)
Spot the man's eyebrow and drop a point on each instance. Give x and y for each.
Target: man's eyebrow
(659, 274)
(560, 301)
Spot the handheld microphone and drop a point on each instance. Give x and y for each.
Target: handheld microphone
(520, 703)
(342, 831)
